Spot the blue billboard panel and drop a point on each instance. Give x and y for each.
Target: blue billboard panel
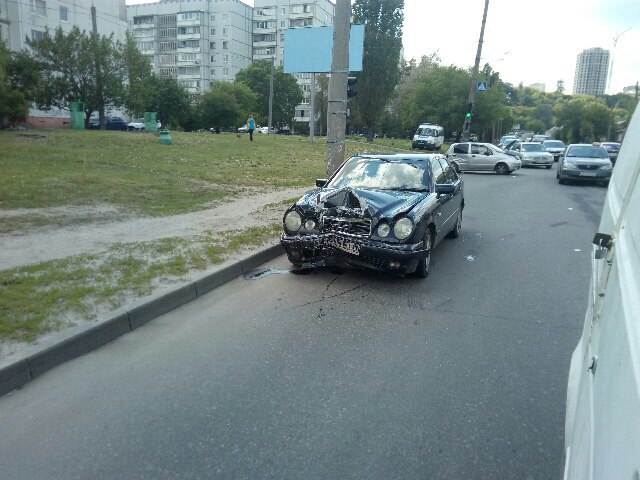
(309, 49)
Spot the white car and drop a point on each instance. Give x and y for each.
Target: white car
(139, 125)
(531, 154)
(474, 156)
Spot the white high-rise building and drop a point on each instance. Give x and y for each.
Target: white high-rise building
(196, 41)
(271, 18)
(592, 67)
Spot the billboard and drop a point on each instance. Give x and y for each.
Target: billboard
(309, 49)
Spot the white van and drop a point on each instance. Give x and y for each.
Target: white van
(602, 426)
(428, 136)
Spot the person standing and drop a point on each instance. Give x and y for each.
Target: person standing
(251, 123)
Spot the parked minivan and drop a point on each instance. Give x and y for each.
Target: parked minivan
(428, 137)
(602, 425)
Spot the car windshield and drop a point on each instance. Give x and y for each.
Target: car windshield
(532, 147)
(587, 151)
(383, 174)
(553, 144)
(430, 132)
(611, 146)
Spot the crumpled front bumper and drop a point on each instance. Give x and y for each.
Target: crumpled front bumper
(316, 251)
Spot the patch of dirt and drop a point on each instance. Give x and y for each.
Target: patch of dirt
(110, 226)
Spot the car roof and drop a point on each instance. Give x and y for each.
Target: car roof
(397, 156)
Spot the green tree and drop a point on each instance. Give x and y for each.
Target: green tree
(226, 104)
(381, 73)
(140, 89)
(13, 100)
(171, 102)
(286, 92)
(79, 67)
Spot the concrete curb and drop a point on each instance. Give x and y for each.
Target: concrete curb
(23, 371)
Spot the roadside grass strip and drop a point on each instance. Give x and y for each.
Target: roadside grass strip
(46, 296)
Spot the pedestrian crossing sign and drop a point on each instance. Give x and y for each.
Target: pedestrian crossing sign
(482, 86)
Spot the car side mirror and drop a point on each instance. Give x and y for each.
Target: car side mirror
(445, 188)
(488, 153)
(321, 182)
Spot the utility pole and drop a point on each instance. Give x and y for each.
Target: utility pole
(613, 55)
(466, 126)
(271, 94)
(337, 108)
(312, 102)
(94, 25)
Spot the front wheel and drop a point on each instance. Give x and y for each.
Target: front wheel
(422, 270)
(455, 233)
(502, 169)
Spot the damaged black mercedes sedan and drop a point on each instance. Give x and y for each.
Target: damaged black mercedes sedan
(379, 211)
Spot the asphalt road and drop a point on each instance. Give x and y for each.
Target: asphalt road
(341, 375)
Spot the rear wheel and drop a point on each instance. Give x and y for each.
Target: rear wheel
(422, 270)
(502, 169)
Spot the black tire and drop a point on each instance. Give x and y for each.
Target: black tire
(422, 270)
(561, 180)
(557, 175)
(548, 167)
(455, 233)
(501, 169)
(456, 167)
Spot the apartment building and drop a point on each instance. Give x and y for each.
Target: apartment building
(271, 18)
(20, 19)
(30, 18)
(592, 66)
(196, 41)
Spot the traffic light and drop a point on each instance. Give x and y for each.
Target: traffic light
(351, 82)
(469, 110)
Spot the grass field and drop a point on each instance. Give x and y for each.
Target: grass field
(136, 174)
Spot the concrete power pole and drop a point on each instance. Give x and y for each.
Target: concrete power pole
(466, 127)
(271, 95)
(337, 108)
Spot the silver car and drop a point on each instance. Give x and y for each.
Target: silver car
(531, 154)
(554, 147)
(481, 157)
(582, 162)
(612, 148)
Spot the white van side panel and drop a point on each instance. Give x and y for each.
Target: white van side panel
(602, 430)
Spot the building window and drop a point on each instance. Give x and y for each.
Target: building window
(213, 72)
(189, 70)
(145, 46)
(168, 46)
(225, 72)
(283, 24)
(225, 58)
(213, 31)
(213, 17)
(64, 14)
(39, 7)
(269, 24)
(225, 17)
(212, 45)
(167, 59)
(188, 30)
(189, 16)
(37, 34)
(146, 20)
(146, 32)
(169, 71)
(166, 32)
(188, 57)
(225, 45)
(164, 20)
(189, 44)
(225, 31)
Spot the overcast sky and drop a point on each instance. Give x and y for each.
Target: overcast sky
(542, 37)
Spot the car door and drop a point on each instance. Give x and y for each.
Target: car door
(450, 203)
(481, 157)
(460, 156)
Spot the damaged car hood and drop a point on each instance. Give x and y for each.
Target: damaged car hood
(372, 203)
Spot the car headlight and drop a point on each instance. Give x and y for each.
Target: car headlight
(292, 221)
(309, 224)
(606, 167)
(383, 230)
(569, 166)
(403, 228)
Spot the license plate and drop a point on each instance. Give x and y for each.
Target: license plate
(344, 245)
(587, 174)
